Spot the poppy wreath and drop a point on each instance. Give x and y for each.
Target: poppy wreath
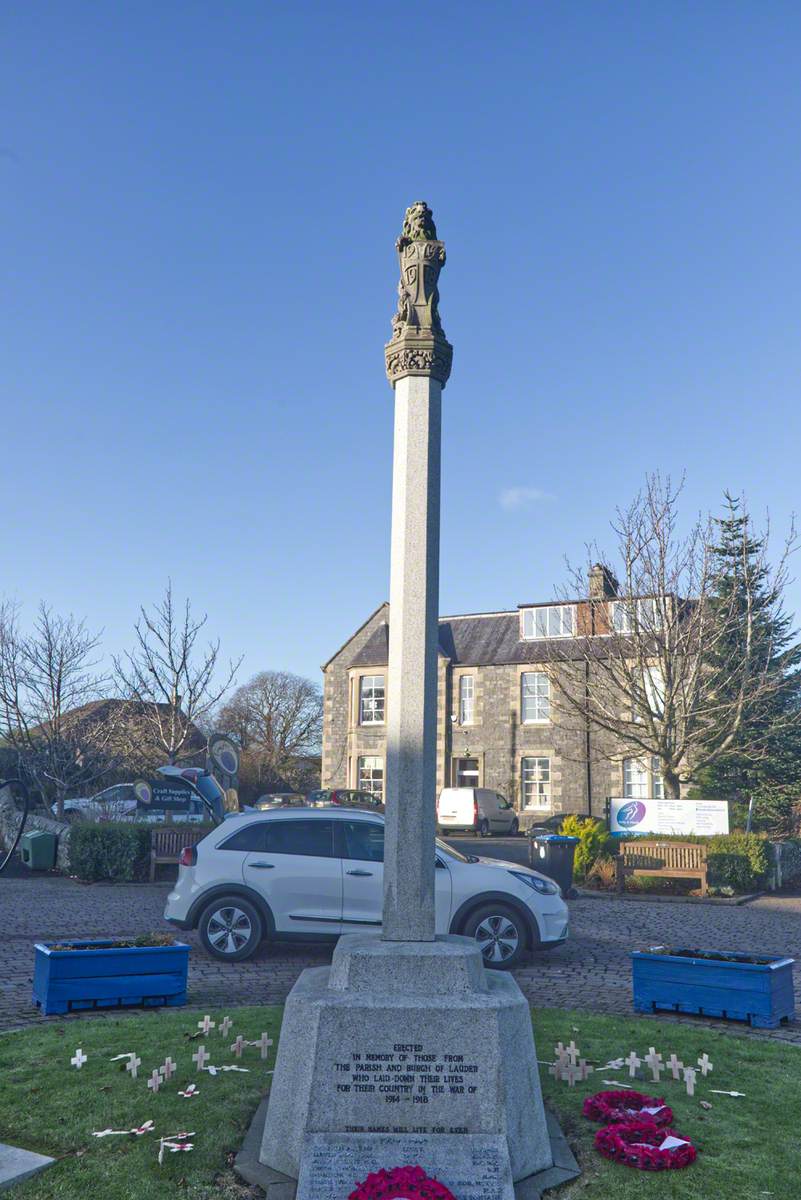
(401, 1183)
(636, 1144)
(619, 1107)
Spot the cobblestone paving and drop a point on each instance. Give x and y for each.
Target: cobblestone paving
(592, 970)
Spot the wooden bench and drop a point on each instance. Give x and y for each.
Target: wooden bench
(167, 842)
(669, 860)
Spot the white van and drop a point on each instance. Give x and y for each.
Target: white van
(475, 810)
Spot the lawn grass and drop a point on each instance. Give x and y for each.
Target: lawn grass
(48, 1106)
(748, 1148)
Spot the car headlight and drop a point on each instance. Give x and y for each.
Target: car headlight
(546, 887)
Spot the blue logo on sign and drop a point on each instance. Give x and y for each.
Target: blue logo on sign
(631, 814)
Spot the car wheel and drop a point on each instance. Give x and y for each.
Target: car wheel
(514, 828)
(498, 930)
(483, 828)
(231, 929)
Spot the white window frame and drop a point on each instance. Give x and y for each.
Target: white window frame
(374, 781)
(540, 622)
(467, 699)
(370, 701)
(647, 782)
(620, 615)
(539, 694)
(535, 783)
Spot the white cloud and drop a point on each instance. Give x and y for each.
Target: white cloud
(514, 498)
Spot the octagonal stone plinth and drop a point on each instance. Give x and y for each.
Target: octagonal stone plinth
(437, 1046)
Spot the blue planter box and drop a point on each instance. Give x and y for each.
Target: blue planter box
(760, 991)
(98, 975)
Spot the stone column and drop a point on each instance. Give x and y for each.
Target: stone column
(418, 360)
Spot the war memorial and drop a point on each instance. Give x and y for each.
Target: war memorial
(406, 1050)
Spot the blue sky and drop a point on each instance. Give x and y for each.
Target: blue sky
(199, 203)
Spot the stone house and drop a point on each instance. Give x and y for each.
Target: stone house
(495, 723)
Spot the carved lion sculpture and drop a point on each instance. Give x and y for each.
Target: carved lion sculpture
(418, 225)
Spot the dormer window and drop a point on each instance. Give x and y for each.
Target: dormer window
(649, 615)
(549, 621)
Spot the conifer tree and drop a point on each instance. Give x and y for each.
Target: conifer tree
(765, 760)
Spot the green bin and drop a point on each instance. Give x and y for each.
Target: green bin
(38, 849)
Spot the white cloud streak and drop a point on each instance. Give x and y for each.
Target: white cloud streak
(514, 498)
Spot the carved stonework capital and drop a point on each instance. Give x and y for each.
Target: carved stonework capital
(418, 345)
(420, 354)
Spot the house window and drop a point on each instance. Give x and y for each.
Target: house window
(635, 779)
(465, 773)
(371, 700)
(535, 697)
(467, 691)
(649, 615)
(371, 776)
(553, 621)
(642, 778)
(535, 775)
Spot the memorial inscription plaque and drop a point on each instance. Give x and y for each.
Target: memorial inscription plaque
(409, 1075)
(473, 1167)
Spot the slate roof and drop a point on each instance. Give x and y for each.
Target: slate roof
(481, 640)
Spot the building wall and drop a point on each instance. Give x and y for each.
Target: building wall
(497, 737)
(341, 739)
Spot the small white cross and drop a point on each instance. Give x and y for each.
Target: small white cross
(689, 1079)
(206, 1024)
(560, 1052)
(584, 1068)
(555, 1068)
(201, 1057)
(633, 1062)
(264, 1043)
(705, 1064)
(238, 1046)
(79, 1058)
(168, 1068)
(654, 1061)
(154, 1082)
(676, 1066)
(225, 1025)
(133, 1064)
(573, 1053)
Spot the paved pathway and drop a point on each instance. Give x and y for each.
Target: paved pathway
(591, 971)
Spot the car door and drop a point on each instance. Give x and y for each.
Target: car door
(361, 843)
(506, 813)
(361, 846)
(298, 874)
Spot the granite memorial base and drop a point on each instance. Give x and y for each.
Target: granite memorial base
(406, 1053)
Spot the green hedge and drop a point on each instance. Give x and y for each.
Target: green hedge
(109, 851)
(737, 860)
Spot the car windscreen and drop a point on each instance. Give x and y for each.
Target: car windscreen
(451, 853)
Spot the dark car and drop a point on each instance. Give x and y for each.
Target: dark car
(553, 823)
(345, 797)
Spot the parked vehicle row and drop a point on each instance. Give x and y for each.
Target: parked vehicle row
(292, 874)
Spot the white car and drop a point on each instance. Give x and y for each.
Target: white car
(312, 874)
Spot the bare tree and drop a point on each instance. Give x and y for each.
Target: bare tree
(171, 678)
(651, 665)
(48, 700)
(277, 719)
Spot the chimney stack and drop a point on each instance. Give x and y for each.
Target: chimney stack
(603, 585)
